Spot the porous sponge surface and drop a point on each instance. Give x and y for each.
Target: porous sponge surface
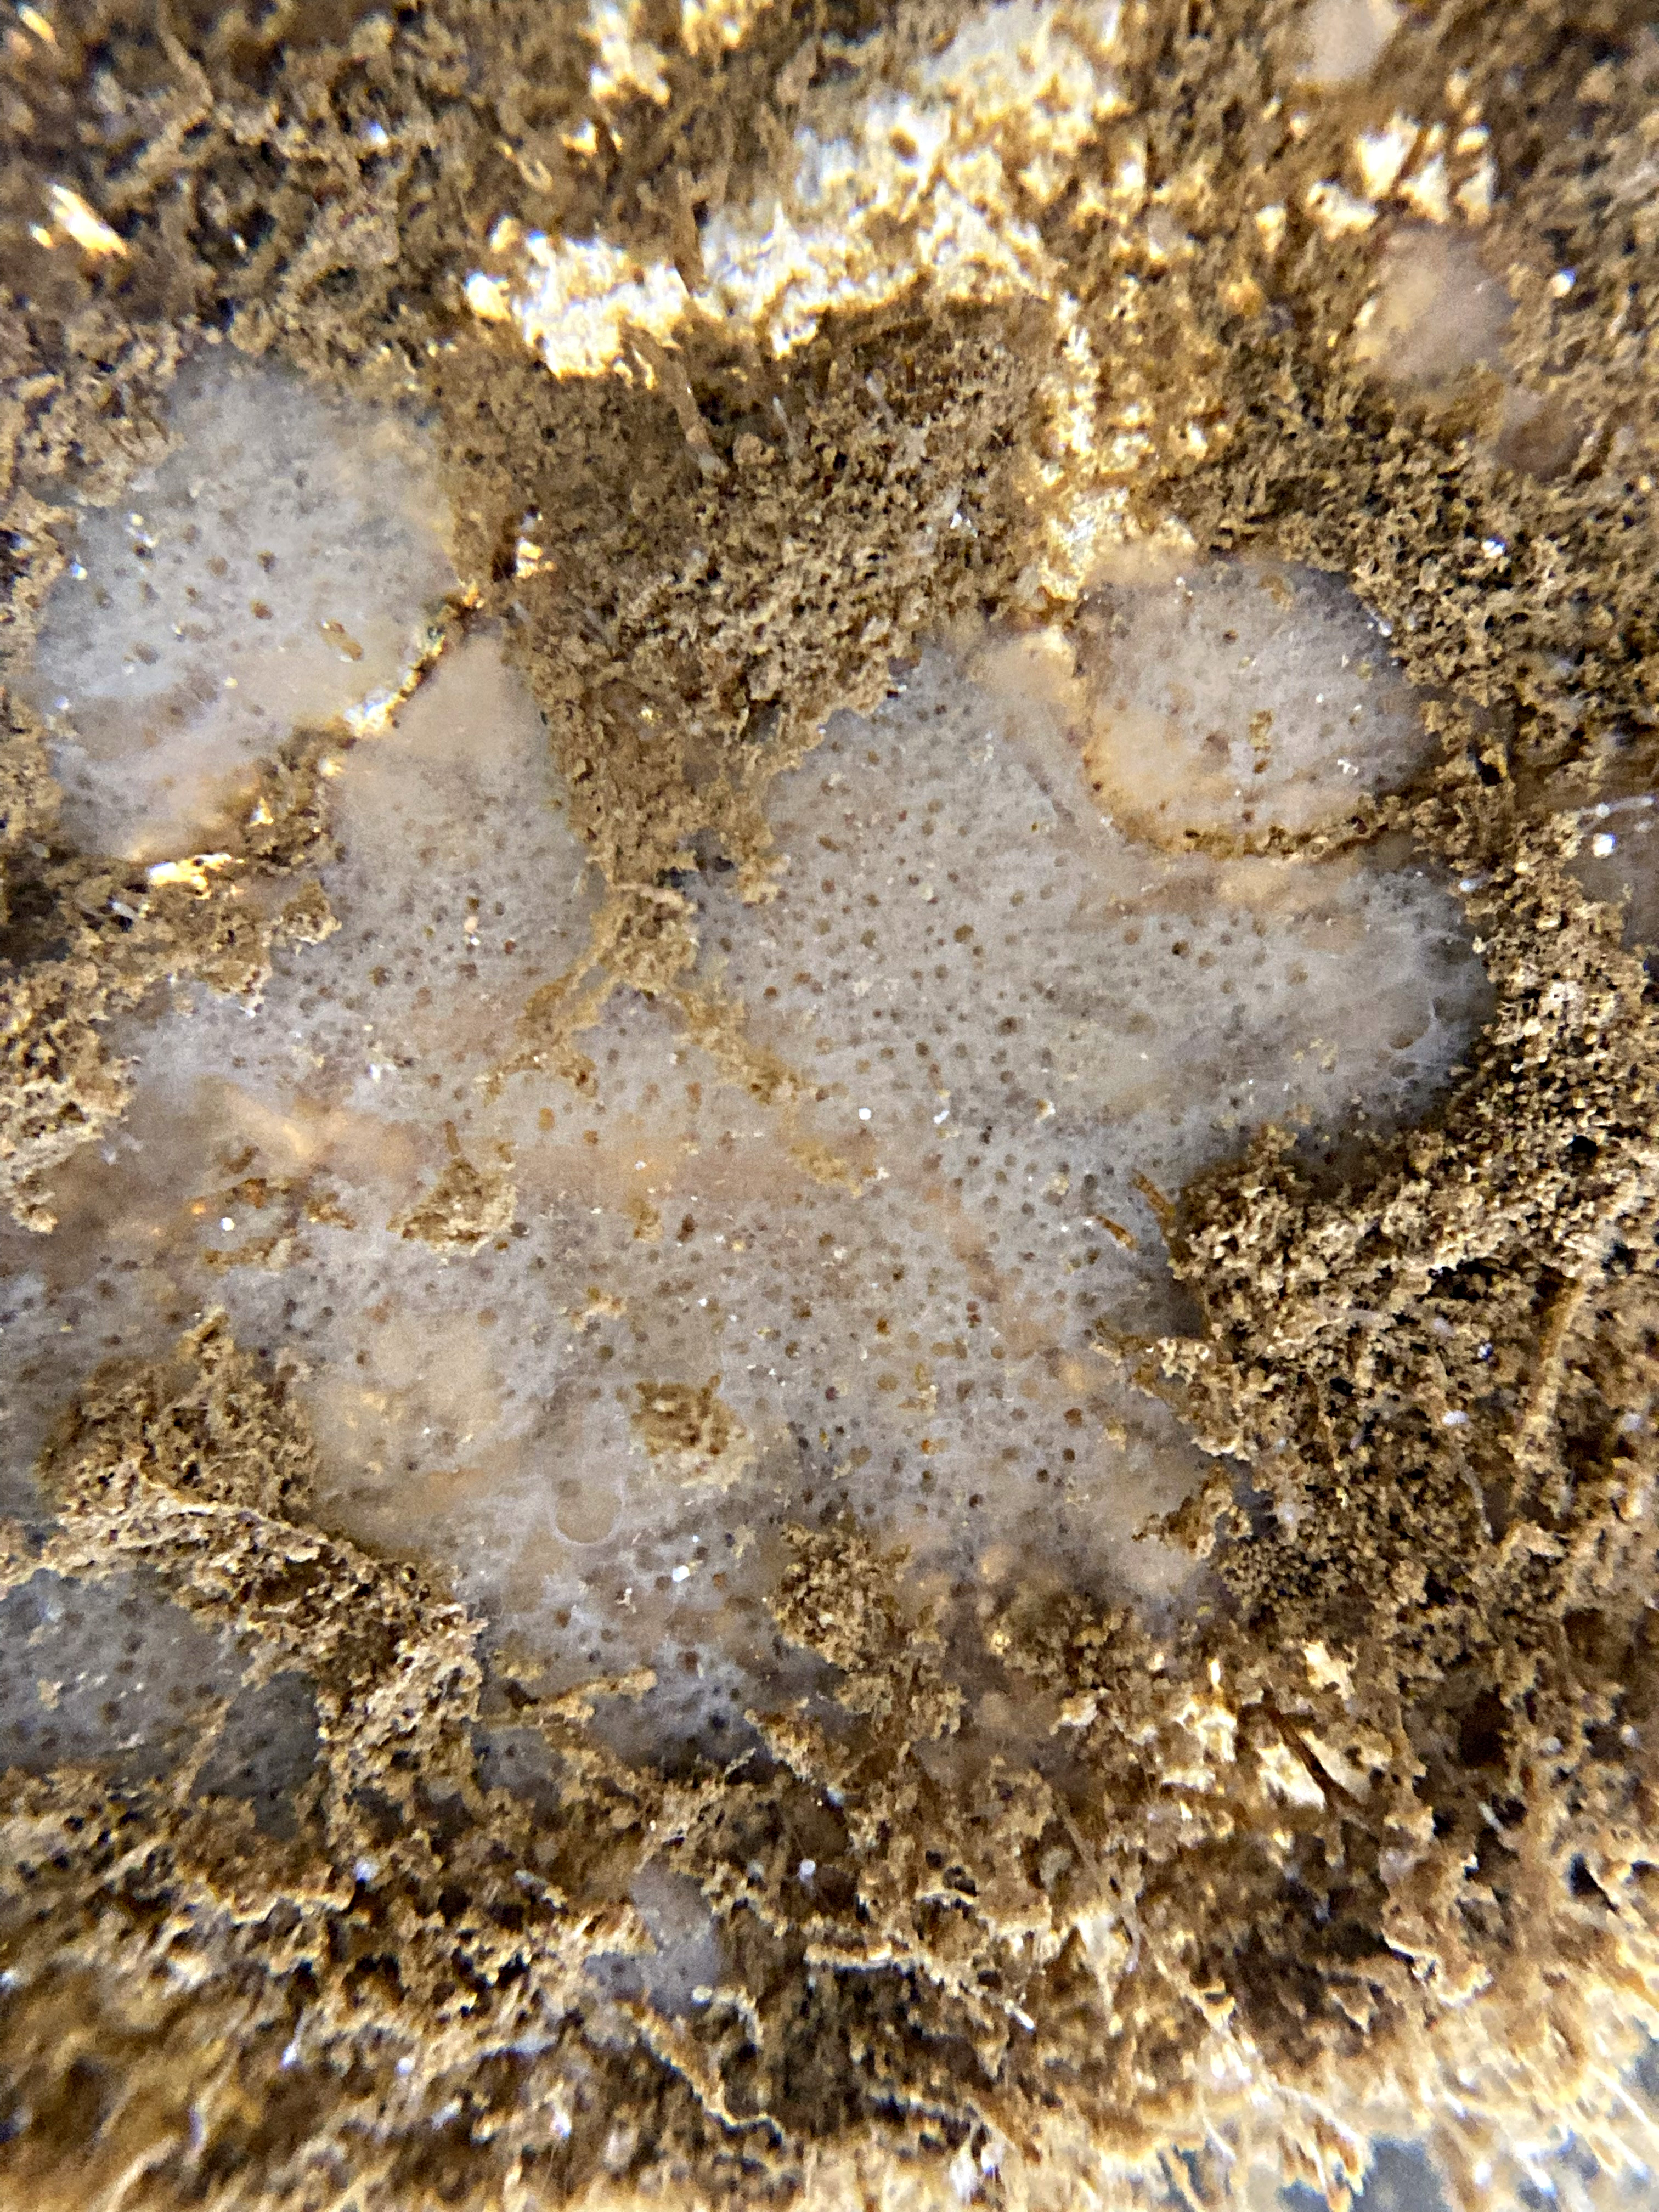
(587, 1349)
(766, 358)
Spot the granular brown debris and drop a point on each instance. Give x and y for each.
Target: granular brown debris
(692, 1425)
(465, 1206)
(1363, 1847)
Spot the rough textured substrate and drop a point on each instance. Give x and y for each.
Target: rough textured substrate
(1374, 1844)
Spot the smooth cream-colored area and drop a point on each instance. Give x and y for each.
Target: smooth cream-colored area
(1345, 38)
(1437, 311)
(1238, 700)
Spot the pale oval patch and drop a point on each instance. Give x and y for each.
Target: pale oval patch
(1242, 699)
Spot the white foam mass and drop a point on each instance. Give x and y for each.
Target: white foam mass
(279, 565)
(587, 1351)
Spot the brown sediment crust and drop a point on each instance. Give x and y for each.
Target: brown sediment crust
(692, 1426)
(86, 937)
(1367, 1846)
(465, 1206)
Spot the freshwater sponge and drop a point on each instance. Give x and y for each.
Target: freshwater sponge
(829, 1090)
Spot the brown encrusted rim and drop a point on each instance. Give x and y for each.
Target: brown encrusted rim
(1372, 1847)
